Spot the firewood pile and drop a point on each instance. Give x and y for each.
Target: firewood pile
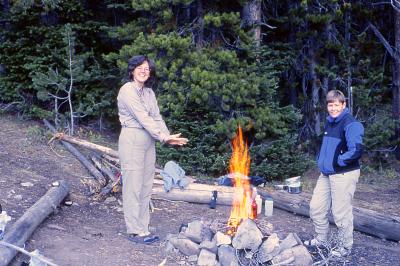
(103, 165)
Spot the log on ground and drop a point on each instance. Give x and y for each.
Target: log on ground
(102, 181)
(23, 228)
(191, 195)
(87, 144)
(366, 221)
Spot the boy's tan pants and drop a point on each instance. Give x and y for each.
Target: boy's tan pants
(137, 156)
(334, 193)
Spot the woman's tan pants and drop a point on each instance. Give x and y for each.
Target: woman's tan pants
(137, 156)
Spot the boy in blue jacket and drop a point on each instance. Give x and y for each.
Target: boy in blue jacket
(338, 162)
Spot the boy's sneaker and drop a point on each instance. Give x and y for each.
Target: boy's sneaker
(313, 243)
(341, 252)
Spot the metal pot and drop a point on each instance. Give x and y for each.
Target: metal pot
(294, 188)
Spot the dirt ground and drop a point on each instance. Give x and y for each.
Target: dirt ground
(93, 233)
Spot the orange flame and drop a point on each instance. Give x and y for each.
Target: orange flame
(239, 167)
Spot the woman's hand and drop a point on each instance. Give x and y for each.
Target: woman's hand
(176, 139)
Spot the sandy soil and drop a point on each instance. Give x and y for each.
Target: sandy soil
(93, 233)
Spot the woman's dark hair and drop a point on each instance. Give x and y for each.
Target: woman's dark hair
(136, 61)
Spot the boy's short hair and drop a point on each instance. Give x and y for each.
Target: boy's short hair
(334, 95)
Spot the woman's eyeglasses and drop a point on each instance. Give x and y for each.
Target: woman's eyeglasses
(145, 69)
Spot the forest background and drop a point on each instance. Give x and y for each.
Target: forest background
(266, 65)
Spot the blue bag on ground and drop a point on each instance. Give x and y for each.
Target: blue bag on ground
(227, 180)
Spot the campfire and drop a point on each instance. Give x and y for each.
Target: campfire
(243, 241)
(239, 167)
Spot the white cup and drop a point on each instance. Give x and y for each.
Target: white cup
(268, 207)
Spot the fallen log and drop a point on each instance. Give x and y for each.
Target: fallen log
(87, 144)
(103, 168)
(190, 195)
(36, 257)
(366, 221)
(102, 181)
(23, 228)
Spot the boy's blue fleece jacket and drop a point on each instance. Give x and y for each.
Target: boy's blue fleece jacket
(341, 144)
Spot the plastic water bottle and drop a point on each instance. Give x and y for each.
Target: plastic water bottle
(213, 201)
(269, 207)
(259, 204)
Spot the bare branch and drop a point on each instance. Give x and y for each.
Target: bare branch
(395, 5)
(57, 97)
(382, 39)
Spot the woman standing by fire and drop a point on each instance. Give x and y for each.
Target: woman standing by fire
(142, 125)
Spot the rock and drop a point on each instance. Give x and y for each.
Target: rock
(185, 245)
(209, 245)
(68, 202)
(227, 256)
(27, 184)
(192, 258)
(285, 257)
(18, 197)
(269, 249)
(222, 239)
(297, 255)
(290, 241)
(206, 258)
(301, 256)
(110, 199)
(248, 236)
(56, 227)
(169, 248)
(198, 232)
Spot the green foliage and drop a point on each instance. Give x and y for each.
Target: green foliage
(210, 76)
(33, 55)
(380, 137)
(206, 93)
(279, 159)
(37, 134)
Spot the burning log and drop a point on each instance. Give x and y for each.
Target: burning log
(23, 228)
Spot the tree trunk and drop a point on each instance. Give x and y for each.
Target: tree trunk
(349, 70)
(199, 36)
(314, 90)
(23, 228)
(396, 68)
(252, 18)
